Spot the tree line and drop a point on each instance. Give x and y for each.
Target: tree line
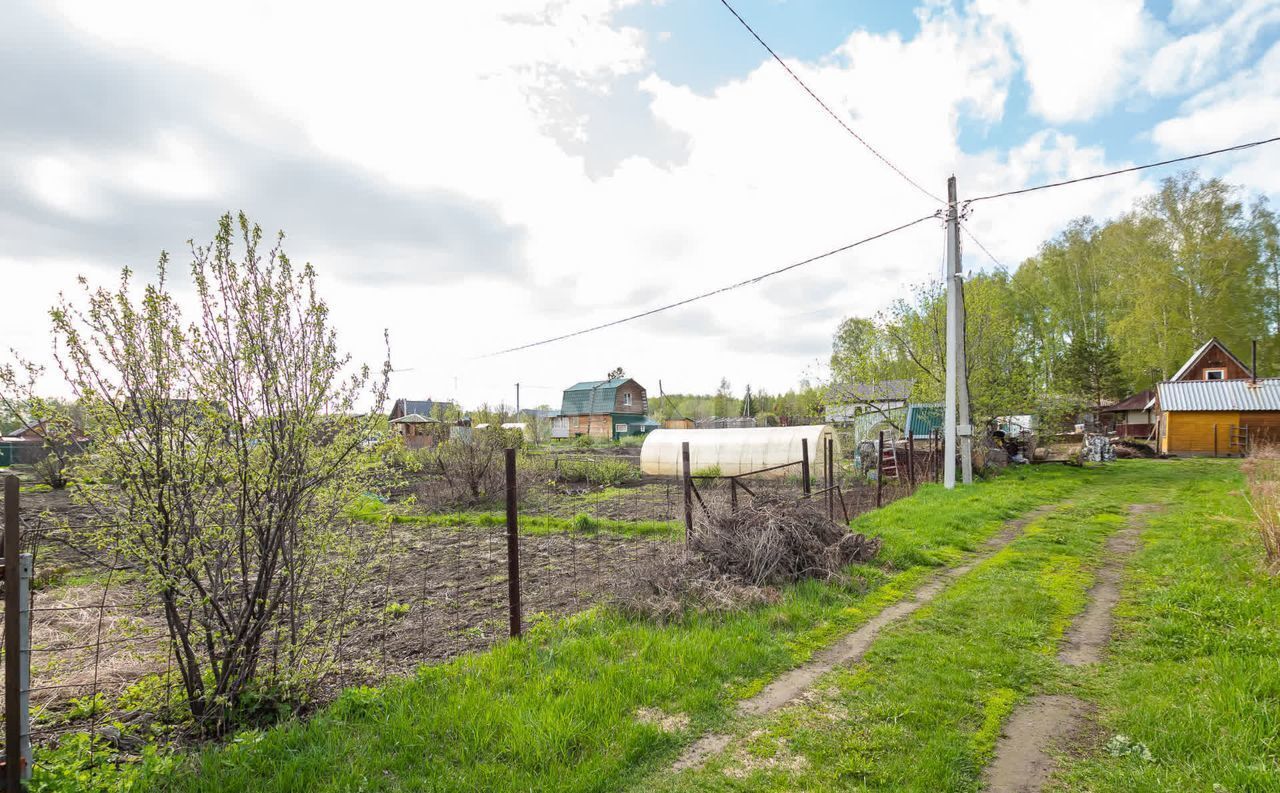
(1104, 309)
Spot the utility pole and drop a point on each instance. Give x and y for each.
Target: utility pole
(517, 401)
(956, 414)
(949, 409)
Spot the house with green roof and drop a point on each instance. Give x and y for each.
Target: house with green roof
(604, 409)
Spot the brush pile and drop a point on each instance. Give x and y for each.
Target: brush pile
(738, 558)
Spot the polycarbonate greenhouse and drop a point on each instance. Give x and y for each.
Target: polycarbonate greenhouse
(737, 451)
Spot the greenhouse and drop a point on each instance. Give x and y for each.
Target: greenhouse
(737, 451)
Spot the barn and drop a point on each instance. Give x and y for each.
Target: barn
(1218, 417)
(1214, 405)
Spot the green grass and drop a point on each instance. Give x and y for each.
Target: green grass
(922, 711)
(557, 711)
(1194, 674)
(371, 510)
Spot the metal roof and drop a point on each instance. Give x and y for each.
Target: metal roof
(591, 396)
(883, 391)
(1244, 395)
(922, 420)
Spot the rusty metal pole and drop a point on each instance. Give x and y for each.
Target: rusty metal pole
(804, 464)
(1215, 440)
(733, 493)
(879, 469)
(12, 641)
(911, 459)
(688, 491)
(829, 474)
(513, 546)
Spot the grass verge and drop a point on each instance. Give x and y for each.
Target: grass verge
(569, 708)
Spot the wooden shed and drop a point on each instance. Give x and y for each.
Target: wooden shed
(1218, 417)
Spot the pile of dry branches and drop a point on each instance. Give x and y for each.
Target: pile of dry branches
(1262, 474)
(737, 558)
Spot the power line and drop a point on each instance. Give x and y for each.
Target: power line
(825, 107)
(978, 242)
(1131, 169)
(757, 279)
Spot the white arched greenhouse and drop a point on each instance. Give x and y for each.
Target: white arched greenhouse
(737, 451)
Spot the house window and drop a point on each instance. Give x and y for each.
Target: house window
(1215, 374)
(626, 400)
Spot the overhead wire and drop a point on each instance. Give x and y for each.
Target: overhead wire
(686, 301)
(827, 107)
(1117, 172)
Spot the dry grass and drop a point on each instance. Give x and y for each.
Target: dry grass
(1262, 473)
(84, 640)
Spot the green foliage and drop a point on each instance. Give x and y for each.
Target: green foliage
(708, 471)
(602, 470)
(233, 438)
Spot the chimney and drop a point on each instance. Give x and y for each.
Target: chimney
(1253, 372)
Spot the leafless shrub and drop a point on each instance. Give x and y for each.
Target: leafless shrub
(737, 558)
(771, 542)
(1262, 473)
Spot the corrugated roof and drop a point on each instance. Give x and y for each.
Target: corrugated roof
(922, 420)
(883, 391)
(1244, 395)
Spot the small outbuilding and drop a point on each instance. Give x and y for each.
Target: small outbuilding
(1206, 417)
(737, 451)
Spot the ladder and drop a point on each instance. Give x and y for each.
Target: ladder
(889, 458)
(1238, 442)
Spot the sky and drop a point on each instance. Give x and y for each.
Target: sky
(475, 176)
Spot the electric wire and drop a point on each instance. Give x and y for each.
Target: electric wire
(826, 107)
(1131, 169)
(754, 280)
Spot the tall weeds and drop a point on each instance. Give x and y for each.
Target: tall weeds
(1262, 473)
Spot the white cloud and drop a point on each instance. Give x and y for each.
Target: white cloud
(486, 101)
(1079, 57)
(1190, 62)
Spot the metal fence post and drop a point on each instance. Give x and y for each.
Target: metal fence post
(733, 493)
(804, 463)
(513, 546)
(1215, 440)
(829, 474)
(17, 655)
(911, 459)
(879, 468)
(688, 491)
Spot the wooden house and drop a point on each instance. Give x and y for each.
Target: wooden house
(604, 409)
(1215, 406)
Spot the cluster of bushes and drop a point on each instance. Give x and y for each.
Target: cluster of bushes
(609, 471)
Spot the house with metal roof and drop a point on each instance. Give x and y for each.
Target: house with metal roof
(603, 409)
(1215, 405)
(425, 408)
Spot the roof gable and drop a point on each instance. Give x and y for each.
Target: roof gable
(1205, 348)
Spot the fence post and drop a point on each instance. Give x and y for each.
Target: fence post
(937, 461)
(804, 463)
(879, 468)
(688, 491)
(1215, 440)
(911, 459)
(17, 656)
(829, 474)
(733, 493)
(513, 546)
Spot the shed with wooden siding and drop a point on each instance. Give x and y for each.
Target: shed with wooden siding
(1206, 417)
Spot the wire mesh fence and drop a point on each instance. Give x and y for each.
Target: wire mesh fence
(435, 586)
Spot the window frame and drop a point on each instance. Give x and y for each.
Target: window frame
(1222, 374)
(626, 399)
